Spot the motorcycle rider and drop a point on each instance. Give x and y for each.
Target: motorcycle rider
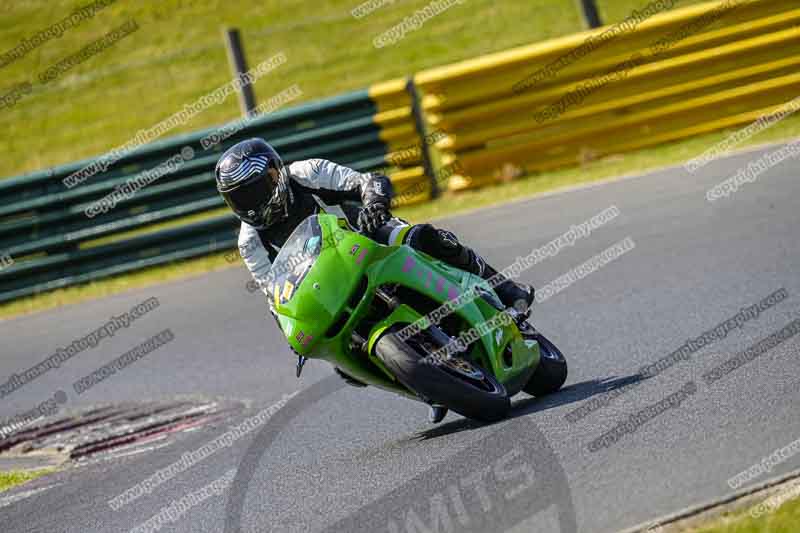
(271, 199)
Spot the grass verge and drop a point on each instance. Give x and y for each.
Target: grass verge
(18, 477)
(177, 55)
(607, 168)
(784, 519)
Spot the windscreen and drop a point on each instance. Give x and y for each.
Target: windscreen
(295, 260)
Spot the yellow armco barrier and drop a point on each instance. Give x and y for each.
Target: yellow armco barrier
(398, 131)
(664, 77)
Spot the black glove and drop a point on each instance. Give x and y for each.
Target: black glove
(372, 217)
(349, 379)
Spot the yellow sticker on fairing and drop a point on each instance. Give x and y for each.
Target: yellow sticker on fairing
(288, 290)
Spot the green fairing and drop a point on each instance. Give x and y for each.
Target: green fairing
(327, 262)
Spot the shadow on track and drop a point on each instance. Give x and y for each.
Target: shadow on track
(528, 406)
(517, 477)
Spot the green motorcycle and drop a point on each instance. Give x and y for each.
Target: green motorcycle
(397, 319)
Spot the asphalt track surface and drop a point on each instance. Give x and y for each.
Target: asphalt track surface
(336, 458)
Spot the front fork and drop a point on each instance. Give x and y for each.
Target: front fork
(393, 304)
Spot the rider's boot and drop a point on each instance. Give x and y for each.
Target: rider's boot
(517, 295)
(437, 414)
(520, 296)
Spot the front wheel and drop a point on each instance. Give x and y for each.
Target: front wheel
(551, 373)
(456, 383)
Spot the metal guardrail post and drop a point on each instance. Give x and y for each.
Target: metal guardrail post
(590, 13)
(424, 144)
(233, 43)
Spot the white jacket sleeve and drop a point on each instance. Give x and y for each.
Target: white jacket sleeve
(254, 255)
(324, 174)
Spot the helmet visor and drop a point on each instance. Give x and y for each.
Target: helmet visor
(261, 201)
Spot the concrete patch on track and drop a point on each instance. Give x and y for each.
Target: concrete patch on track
(106, 432)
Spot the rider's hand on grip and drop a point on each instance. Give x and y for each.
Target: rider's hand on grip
(373, 217)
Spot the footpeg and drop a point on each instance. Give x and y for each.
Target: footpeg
(301, 361)
(437, 414)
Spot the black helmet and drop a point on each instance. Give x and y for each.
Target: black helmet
(253, 182)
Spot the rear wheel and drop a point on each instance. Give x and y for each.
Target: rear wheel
(551, 373)
(456, 383)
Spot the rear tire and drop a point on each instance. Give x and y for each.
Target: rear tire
(551, 373)
(457, 384)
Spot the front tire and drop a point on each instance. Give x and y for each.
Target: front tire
(551, 373)
(457, 384)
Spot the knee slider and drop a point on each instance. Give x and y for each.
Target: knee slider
(423, 237)
(442, 245)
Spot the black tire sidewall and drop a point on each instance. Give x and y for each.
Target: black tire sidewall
(425, 377)
(550, 374)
